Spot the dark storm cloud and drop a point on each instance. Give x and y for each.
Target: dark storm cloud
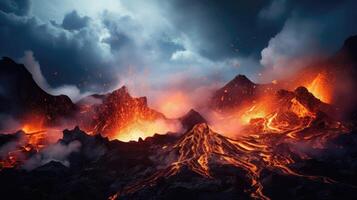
(18, 7)
(334, 19)
(66, 57)
(117, 36)
(223, 29)
(72, 21)
(310, 30)
(89, 49)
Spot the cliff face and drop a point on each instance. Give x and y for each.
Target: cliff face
(20, 95)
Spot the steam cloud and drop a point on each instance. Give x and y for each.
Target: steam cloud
(292, 48)
(55, 152)
(34, 68)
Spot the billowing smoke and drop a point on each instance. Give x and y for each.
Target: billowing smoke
(55, 152)
(35, 69)
(294, 47)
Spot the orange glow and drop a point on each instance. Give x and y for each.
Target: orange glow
(32, 127)
(256, 111)
(143, 129)
(299, 109)
(36, 133)
(174, 104)
(321, 88)
(35, 139)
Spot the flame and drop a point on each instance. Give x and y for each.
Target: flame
(321, 88)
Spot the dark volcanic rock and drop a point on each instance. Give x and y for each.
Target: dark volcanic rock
(122, 164)
(350, 48)
(190, 119)
(234, 93)
(6, 138)
(20, 95)
(238, 92)
(307, 99)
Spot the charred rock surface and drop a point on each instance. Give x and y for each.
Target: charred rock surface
(200, 164)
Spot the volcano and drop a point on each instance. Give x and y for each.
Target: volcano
(291, 143)
(116, 111)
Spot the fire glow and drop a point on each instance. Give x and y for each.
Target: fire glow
(143, 129)
(128, 119)
(321, 88)
(173, 104)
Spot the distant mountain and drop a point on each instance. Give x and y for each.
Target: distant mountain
(238, 92)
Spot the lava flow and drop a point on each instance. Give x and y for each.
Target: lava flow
(295, 118)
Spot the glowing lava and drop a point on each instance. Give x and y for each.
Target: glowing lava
(321, 88)
(142, 129)
(254, 112)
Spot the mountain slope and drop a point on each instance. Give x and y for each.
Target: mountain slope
(21, 96)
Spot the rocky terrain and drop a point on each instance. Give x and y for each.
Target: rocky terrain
(293, 144)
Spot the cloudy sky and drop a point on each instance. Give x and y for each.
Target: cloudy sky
(80, 46)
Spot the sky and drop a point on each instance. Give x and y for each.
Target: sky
(78, 47)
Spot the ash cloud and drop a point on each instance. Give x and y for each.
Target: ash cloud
(274, 11)
(291, 49)
(72, 21)
(94, 46)
(308, 33)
